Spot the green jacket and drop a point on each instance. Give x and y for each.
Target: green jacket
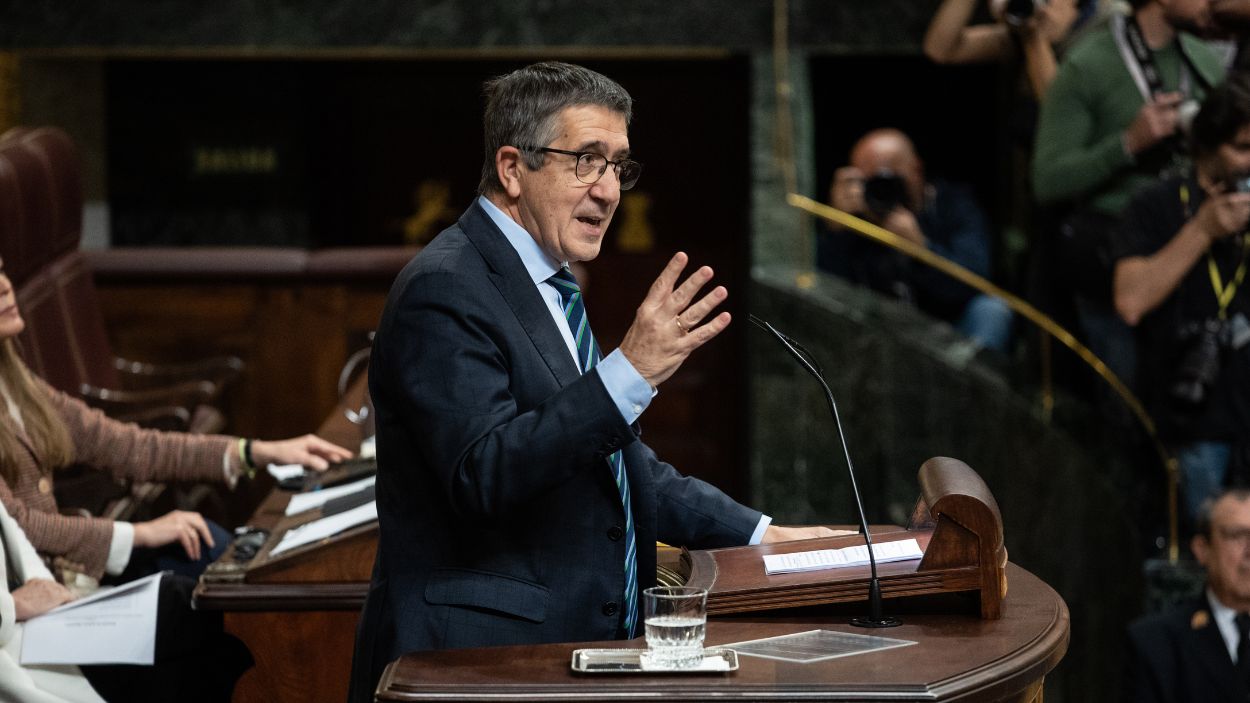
(1079, 157)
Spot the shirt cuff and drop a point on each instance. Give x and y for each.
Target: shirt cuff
(120, 548)
(758, 535)
(628, 389)
(231, 468)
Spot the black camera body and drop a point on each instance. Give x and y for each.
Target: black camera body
(1200, 363)
(884, 191)
(1017, 12)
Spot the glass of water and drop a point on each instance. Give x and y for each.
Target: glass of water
(675, 620)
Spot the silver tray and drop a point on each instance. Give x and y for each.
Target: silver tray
(628, 661)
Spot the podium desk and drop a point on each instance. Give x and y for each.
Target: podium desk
(959, 657)
(296, 614)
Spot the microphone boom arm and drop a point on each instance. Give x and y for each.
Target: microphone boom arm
(875, 618)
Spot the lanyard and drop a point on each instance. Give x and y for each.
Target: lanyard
(1140, 61)
(1224, 293)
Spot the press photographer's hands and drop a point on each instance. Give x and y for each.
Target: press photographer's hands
(1224, 214)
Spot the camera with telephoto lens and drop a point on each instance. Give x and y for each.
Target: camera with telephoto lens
(884, 191)
(1200, 364)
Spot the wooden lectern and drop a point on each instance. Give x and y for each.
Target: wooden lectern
(1003, 655)
(956, 522)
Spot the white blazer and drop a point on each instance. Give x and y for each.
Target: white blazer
(29, 684)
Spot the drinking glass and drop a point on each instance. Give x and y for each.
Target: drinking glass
(675, 620)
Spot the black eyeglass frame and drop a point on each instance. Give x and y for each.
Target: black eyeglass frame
(617, 166)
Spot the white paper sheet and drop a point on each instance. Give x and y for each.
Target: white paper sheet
(326, 526)
(281, 472)
(315, 499)
(902, 550)
(111, 626)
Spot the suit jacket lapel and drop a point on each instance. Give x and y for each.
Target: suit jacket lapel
(509, 276)
(1212, 654)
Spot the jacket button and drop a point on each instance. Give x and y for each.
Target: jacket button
(610, 608)
(45, 486)
(615, 533)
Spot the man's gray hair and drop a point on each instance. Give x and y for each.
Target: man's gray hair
(523, 109)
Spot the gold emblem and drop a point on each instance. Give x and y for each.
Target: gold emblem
(432, 212)
(635, 236)
(1200, 620)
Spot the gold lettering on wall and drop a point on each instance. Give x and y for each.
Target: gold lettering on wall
(636, 235)
(234, 161)
(10, 95)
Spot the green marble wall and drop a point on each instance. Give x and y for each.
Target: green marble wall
(887, 26)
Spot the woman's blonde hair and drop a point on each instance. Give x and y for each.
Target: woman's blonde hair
(44, 428)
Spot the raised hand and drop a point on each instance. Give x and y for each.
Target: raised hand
(1224, 214)
(667, 326)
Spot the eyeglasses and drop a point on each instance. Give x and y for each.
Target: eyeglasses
(591, 166)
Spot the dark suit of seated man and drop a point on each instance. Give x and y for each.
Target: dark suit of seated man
(515, 499)
(1201, 652)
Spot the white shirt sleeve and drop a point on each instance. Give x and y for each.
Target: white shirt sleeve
(120, 548)
(230, 470)
(758, 535)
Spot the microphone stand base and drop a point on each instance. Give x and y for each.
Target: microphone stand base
(875, 623)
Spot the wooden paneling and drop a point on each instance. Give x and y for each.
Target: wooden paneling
(322, 640)
(293, 337)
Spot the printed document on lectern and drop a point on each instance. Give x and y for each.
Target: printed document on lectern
(902, 550)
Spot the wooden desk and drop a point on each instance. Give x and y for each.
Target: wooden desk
(960, 657)
(300, 626)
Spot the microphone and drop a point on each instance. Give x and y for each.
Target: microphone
(874, 619)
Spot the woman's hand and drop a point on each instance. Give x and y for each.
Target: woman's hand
(38, 596)
(186, 528)
(309, 450)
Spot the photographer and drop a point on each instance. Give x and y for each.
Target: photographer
(885, 184)
(1180, 266)
(1030, 28)
(1110, 124)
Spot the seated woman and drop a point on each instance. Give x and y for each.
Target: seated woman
(33, 592)
(42, 429)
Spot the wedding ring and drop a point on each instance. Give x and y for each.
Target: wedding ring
(680, 326)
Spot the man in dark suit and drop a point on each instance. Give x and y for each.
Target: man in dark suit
(516, 501)
(1202, 652)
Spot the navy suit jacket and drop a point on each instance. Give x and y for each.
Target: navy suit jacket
(1178, 657)
(500, 522)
